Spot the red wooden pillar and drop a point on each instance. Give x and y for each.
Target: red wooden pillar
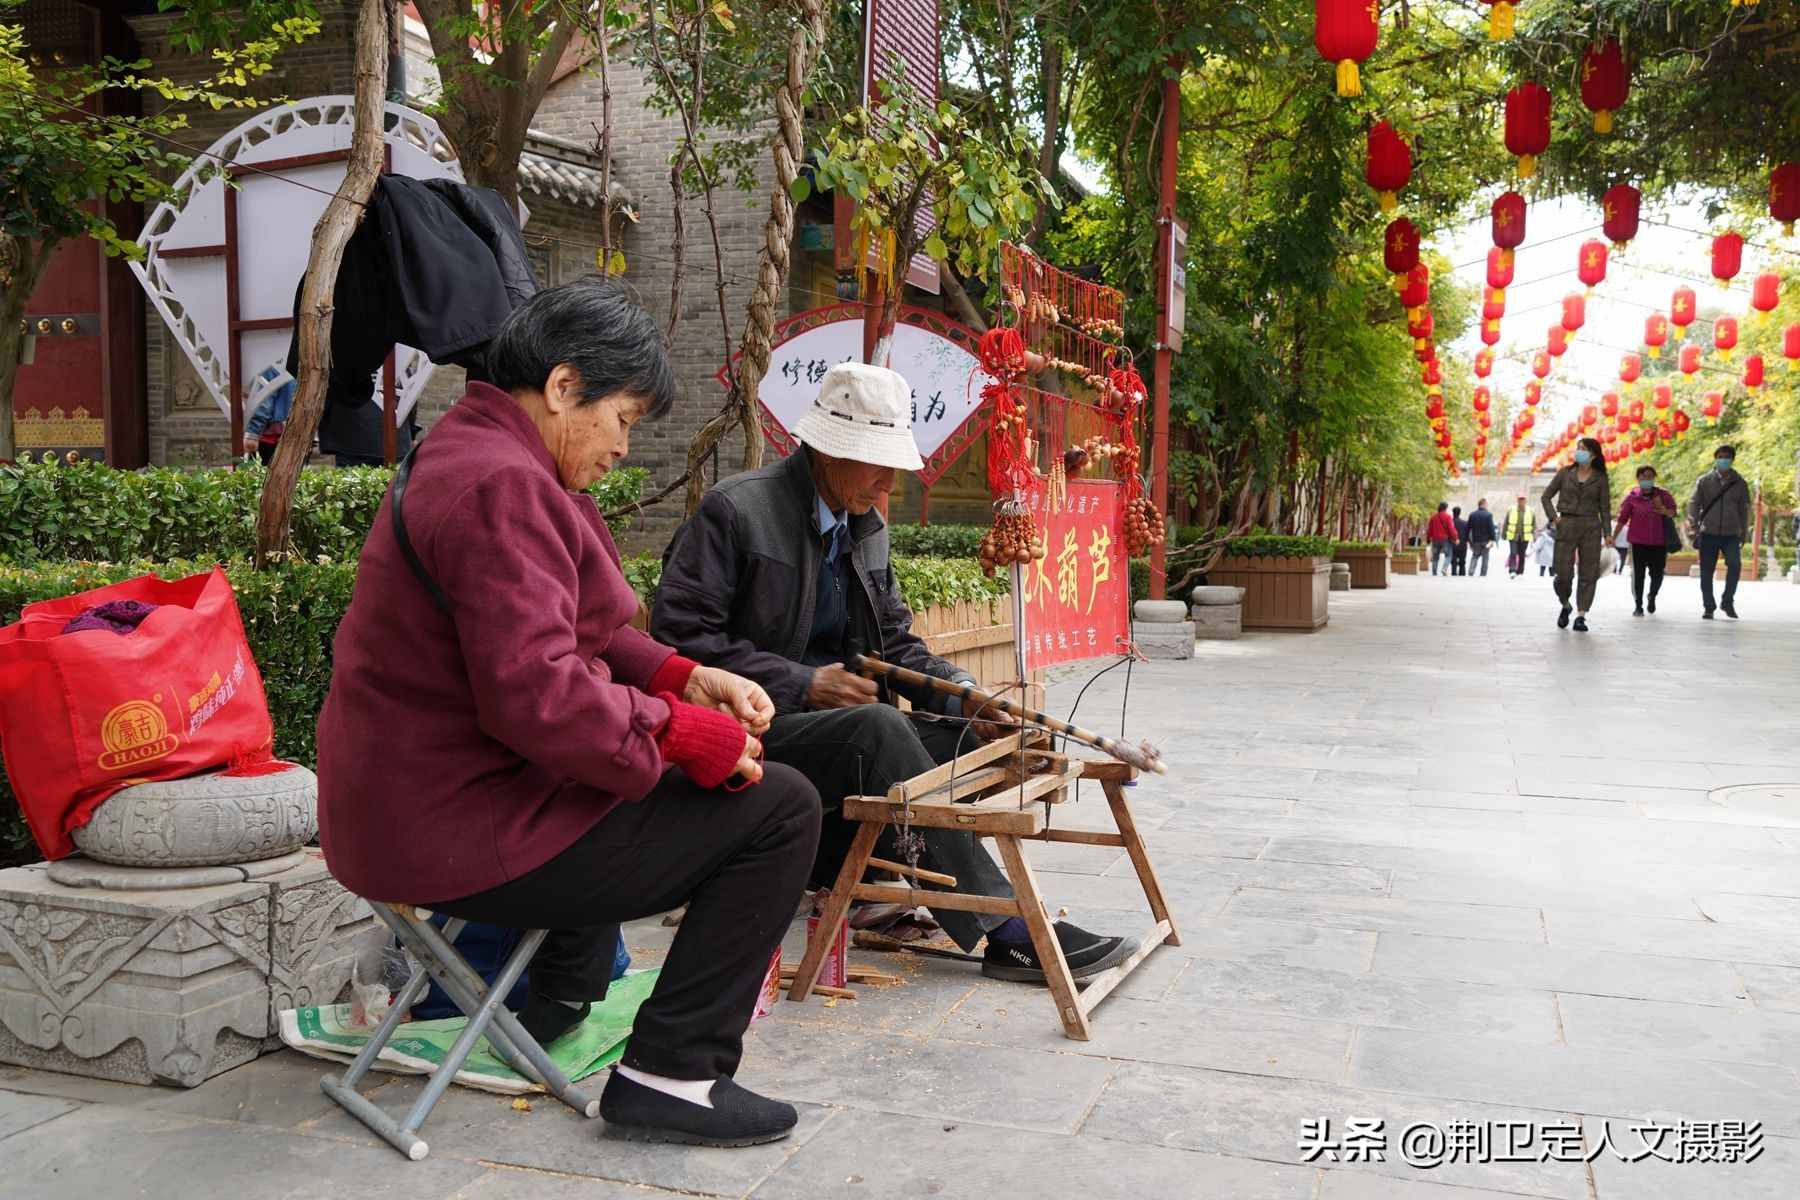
(1165, 351)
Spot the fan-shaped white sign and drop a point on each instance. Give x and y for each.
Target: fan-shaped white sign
(276, 210)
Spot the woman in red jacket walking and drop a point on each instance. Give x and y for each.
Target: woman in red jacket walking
(498, 741)
(1441, 533)
(1641, 517)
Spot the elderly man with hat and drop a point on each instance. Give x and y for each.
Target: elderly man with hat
(781, 577)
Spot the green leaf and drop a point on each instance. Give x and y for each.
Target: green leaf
(800, 189)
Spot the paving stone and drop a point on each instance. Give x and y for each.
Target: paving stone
(514, 1184)
(1384, 913)
(1352, 1183)
(107, 1151)
(1227, 1113)
(1514, 1013)
(1742, 1033)
(860, 1153)
(1567, 1079)
(280, 1089)
(1770, 1176)
(1248, 940)
(1776, 988)
(1676, 938)
(19, 1111)
(1557, 968)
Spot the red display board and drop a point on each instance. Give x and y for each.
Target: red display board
(1073, 602)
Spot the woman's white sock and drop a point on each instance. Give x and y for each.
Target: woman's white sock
(694, 1091)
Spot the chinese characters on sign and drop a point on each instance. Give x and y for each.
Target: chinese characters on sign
(1074, 598)
(1427, 1144)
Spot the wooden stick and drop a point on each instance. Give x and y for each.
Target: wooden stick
(919, 873)
(1143, 756)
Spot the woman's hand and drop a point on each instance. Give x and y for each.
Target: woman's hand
(749, 767)
(733, 695)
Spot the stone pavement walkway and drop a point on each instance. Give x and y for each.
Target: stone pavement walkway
(1439, 862)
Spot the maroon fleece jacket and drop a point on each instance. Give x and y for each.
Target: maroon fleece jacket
(457, 752)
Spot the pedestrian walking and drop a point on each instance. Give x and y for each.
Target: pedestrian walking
(1582, 499)
(1459, 556)
(1543, 550)
(1440, 531)
(1720, 512)
(1519, 529)
(1621, 544)
(1647, 521)
(1482, 536)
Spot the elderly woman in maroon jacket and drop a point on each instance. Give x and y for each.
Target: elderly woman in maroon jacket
(499, 744)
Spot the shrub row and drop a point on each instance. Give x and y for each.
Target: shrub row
(90, 511)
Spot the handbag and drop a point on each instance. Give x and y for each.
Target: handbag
(1671, 536)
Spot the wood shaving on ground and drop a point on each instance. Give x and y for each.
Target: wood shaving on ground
(521, 1104)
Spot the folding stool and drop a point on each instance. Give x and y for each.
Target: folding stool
(434, 957)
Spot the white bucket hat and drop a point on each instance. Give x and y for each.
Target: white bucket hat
(864, 414)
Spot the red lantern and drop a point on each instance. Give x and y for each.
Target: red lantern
(1389, 163)
(1509, 223)
(1784, 195)
(1443, 441)
(1534, 391)
(1418, 328)
(1608, 435)
(1664, 394)
(1345, 33)
(1500, 270)
(1400, 246)
(1527, 125)
(1753, 372)
(1765, 293)
(1526, 420)
(1609, 404)
(1605, 82)
(1490, 333)
(1790, 344)
(1636, 411)
(1540, 364)
(1434, 407)
(1665, 433)
(1725, 333)
(1656, 333)
(1574, 312)
(1630, 367)
(1622, 423)
(1484, 419)
(1484, 363)
(1556, 341)
(1681, 422)
(1433, 374)
(1493, 304)
(1481, 399)
(1683, 307)
(1415, 290)
(1619, 214)
(1589, 415)
(1727, 257)
(1690, 359)
(1591, 265)
(1714, 406)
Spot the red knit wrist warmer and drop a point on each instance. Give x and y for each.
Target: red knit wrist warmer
(701, 741)
(672, 676)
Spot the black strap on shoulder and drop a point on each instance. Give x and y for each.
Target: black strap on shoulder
(401, 478)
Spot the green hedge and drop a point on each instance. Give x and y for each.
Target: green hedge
(291, 613)
(1359, 546)
(937, 541)
(90, 511)
(1270, 545)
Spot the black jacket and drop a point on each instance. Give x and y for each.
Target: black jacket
(1481, 527)
(739, 580)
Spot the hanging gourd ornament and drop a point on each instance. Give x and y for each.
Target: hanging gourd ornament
(1388, 167)
(1605, 82)
(1528, 125)
(1345, 32)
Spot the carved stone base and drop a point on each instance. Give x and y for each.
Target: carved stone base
(1163, 641)
(169, 987)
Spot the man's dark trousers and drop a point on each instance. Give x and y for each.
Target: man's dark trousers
(860, 752)
(1711, 546)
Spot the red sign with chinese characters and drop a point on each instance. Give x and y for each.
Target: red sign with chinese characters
(1075, 598)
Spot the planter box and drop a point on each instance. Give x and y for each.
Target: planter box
(1279, 593)
(1679, 564)
(1406, 563)
(1368, 568)
(978, 637)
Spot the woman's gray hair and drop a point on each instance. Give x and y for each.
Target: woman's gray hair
(591, 325)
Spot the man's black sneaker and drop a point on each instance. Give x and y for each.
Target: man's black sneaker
(1638, 611)
(1086, 953)
(1707, 615)
(1580, 624)
(738, 1117)
(1562, 618)
(1728, 611)
(1651, 602)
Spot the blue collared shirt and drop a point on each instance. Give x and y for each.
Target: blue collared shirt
(837, 525)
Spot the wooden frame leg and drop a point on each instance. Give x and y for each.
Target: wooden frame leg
(1043, 938)
(835, 910)
(1140, 858)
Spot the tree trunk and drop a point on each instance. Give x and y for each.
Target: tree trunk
(1050, 67)
(330, 236)
(32, 255)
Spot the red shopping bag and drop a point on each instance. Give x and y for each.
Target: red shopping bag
(85, 714)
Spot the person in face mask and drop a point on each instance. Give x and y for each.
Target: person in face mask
(1719, 510)
(1577, 503)
(1642, 517)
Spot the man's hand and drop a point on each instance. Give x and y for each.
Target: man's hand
(750, 768)
(990, 723)
(733, 695)
(834, 687)
(250, 444)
